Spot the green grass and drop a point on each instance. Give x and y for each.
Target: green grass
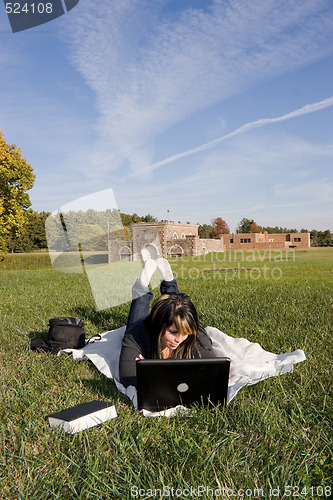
(273, 434)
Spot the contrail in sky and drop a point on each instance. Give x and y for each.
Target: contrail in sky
(309, 108)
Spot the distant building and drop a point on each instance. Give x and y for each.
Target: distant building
(170, 239)
(263, 241)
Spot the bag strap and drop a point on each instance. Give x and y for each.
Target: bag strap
(94, 338)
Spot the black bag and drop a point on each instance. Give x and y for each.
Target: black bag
(67, 333)
(64, 333)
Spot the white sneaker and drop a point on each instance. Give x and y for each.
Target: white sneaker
(147, 272)
(164, 268)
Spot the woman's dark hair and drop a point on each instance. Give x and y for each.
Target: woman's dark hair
(177, 309)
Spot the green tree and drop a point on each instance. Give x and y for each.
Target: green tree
(277, 230)
(149, 218)
(321, 238)
(244, 226)
(205, 231)
(16, 178)
(33, 236)
(92, 237)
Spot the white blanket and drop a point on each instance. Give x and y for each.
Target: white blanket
(249, 362)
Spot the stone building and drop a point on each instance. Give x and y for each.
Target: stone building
(156, 239)
(170, 239)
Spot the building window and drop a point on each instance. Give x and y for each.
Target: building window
(175, 236)
(183, 236)
(231, 240)
(245, 240)
(297, 240)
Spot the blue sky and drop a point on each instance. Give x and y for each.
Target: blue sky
(144, 97)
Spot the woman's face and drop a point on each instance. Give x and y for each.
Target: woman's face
(171, 338)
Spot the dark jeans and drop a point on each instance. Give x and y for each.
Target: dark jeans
(142, 296)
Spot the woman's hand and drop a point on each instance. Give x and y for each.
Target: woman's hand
(139, 357)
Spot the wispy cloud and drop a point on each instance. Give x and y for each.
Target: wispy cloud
(246, 177)
(151, 69)
(309, 108)
(319, 190)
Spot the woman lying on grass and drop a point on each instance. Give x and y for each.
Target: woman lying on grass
(170, 330)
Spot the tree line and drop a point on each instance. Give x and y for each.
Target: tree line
(62, 232)
(23, 229)
(92, 229)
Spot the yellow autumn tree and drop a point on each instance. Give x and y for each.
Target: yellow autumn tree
(16, 177)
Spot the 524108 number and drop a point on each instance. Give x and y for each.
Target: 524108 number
(28, 8)
(313, 491)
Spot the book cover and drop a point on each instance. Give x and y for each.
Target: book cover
(83, 416)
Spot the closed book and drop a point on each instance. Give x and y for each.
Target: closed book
(83, 416)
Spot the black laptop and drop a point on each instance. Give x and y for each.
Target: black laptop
(165, 383)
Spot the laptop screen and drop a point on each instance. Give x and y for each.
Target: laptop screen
(165, 383)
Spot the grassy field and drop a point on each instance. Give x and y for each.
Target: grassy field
(272, 441)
